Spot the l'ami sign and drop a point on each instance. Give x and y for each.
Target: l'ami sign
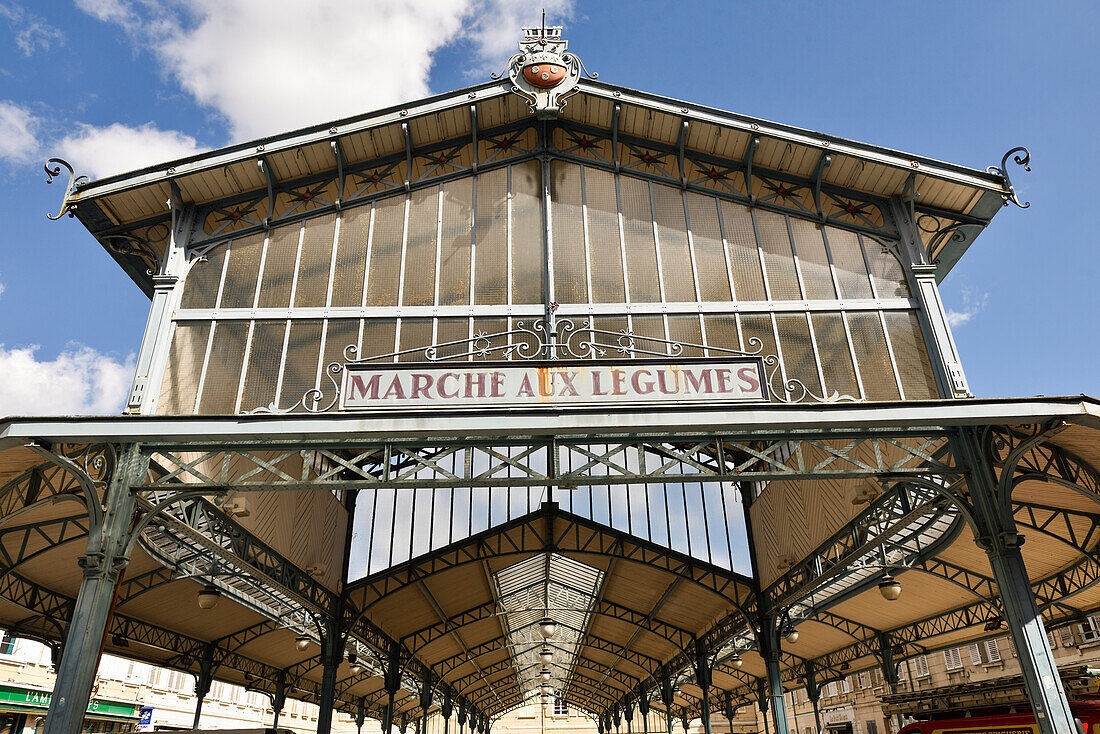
(381, 386)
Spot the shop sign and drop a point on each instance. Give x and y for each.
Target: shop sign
(554, 384)
(41, 699)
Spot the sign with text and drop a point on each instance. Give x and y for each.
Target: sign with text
(571, 383)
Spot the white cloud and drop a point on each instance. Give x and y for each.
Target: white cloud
(18, 133)
(283, 64)
(80, 381)
(971, 306)
(118, 148)
(31, 32)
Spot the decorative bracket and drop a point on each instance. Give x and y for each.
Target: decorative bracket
(1021, 160)
(70, 188)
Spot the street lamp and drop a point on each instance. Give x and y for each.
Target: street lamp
(547, 628)
(889, 587)
(208, 596)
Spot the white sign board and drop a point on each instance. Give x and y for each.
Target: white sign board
(368, 387)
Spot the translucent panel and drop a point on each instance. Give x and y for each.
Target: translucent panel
(652, 327)
(416, 334)
(570, 271)
(378, 338)
(351, 257)
(798, 352)
(616, 326)
(490, 326)
(264, 355)
(452, 330)
(239, 289)
(760, 327)
(851, 270)
(874, 359)
(744, 255)
(722, 333)
(223, 368)
(836, 357)
(457, 242)
(491, 230)
(686, 330)
(181, 375)
(315, 262)
(301, 364)
(203, 279)
(419, 286)
(911, 353)
(528, 233)
(339, 333)
(385, 258)
(668, 208)
(886, 270)
(813, 259)
(778, 256)
(641, 254)
(604, 246)
(706, 237)
(278, 275)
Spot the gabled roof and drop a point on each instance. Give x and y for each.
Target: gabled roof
(952, 194)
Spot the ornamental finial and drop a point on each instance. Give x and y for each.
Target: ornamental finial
(1023, 158)
(544, 72)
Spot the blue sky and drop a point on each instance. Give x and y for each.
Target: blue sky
(118, 83)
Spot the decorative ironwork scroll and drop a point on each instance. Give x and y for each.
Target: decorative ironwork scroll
(543, 72)
(73, 183)
(1021, 160)
(561, 339)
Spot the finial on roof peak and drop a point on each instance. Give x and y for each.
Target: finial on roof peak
(544, 72)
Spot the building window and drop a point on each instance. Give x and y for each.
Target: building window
(561, 708)
(865, 679)
(920, 666)
(985, 653)
(1089, 630)
(872, 727)
(830, 689)
(1065, 635)
(953, 659)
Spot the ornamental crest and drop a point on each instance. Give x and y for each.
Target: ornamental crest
(543, 72)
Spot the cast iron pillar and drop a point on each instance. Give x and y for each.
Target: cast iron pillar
(361, 714)
(703, 678)
(104, 561)
(771, 652)
(203, 680)
(278, 699)
(461, 716)
(425, 701)
(643, 709)
(997, 536)
(447, 709)
(628, 714)
(889, 665)
(762, 699)
(392, 682)
(666, 699)
(332, 654)
(813, 692)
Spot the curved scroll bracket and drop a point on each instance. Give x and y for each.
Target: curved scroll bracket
(70, 188)
(125, 244)
(1022, 157)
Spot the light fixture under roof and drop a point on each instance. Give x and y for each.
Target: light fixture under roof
(890, 588)
(546, 656)
(302, 642)
(209, 596)
(547, 628)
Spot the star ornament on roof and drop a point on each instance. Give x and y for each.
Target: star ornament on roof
(544, 72)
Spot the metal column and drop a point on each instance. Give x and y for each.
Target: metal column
(202, 681)
(703, 678)
(105, 559)
(278, 700)
(997, 536)
(332, 654)
(769, 636)
(813, 691)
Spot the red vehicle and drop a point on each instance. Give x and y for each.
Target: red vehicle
(1086, 712)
